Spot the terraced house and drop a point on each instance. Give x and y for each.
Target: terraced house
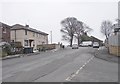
(28, 37)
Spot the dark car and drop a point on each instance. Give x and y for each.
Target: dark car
(75, 46)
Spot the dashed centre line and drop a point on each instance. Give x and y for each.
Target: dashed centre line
(74, 74)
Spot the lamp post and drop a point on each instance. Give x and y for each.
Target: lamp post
(51, 36)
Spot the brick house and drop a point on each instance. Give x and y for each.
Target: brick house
(4, 32)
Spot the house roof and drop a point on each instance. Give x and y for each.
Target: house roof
(4, 25)
(90, 38)
(94, 38)
(18, 27)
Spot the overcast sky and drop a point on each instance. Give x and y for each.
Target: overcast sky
(47, 15)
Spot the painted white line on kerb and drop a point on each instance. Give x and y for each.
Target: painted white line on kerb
(73, 75)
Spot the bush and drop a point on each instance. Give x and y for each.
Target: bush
(6, 48)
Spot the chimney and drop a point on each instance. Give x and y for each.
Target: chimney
(26, 25)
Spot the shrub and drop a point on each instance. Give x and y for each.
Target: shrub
(6, 48)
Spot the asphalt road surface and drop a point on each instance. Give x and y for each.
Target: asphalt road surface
(64, 65)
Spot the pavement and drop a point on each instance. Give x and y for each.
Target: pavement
(102, 53)
(19, 55)
(22, 55)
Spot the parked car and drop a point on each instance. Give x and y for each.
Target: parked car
(95, 45)
(75, 46)
(86, 43)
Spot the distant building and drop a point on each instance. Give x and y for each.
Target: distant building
(91, 38)
(28, 37)
(94, 39)
(4, 32)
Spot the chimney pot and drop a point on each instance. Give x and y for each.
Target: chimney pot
(26, 25)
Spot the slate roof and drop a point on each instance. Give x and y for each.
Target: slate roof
(18, 27)
(4, 25)
(94, 38)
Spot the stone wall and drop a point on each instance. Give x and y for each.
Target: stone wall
(49, 46)
(114, 44)
(115, 50)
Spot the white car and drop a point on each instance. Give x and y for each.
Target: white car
(86, 43)
(95, 45)
(75, 46)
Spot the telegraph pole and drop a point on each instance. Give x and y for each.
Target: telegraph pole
(51, 36)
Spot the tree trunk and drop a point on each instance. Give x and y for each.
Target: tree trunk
(108, 44)
(71, 41)
(78, 41)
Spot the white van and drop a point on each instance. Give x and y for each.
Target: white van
(86, 43)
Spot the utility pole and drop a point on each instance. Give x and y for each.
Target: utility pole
(51, 36)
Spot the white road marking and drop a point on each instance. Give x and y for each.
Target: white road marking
(85, 63)
(80, 68)
(74, 74)
(68, 78)
(83, 66)
(77, 72)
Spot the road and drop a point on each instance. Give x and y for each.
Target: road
(65, 65)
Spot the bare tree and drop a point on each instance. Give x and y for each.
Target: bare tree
(79, 29)
(106, 28)
(68, 28)
(86, 28)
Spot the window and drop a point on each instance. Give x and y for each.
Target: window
(33, 34)
(37, 35)
(26, 42)
(25, 32)
(12, 41)
(4, 30)
(44, 37)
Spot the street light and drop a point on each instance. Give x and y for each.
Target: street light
(51, 36)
